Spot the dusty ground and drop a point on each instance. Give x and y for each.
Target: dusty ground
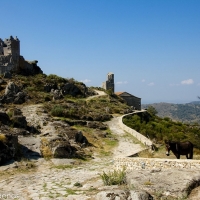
(66, 178)
(73, 179)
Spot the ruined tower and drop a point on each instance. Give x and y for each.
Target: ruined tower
(11, 46)
(109, 84)
(10, 58)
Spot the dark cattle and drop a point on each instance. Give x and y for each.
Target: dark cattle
(179, 148)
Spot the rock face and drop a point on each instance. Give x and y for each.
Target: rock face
(8, 147)
(56, 139)
(125, 195)
(18, 120)
(4, 118)
(80, 138)
(174, 183)
(13, 94)
(72, 89)
(96, 125)
(60, 141)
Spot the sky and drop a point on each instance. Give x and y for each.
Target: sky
(151, 46)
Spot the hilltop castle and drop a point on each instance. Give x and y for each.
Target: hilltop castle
(10, 58)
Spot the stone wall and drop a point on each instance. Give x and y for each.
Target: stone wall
(4, 69)
(133, 132)
(136, 163)
(155, 163)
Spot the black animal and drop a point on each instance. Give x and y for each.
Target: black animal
(179, 148)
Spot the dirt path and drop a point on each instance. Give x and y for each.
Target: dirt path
(99, 93)
(127, 145)
(69, 179)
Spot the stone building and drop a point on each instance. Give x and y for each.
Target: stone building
(10, 58)
(130, 100)
(109, 84)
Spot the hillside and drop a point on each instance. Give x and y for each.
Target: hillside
(61, 138)
(187, 113)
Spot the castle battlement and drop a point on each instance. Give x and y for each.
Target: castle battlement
(10, 57)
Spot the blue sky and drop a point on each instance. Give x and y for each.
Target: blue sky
(151, 46)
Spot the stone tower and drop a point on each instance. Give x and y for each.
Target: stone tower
(109, 84)
(11, 46)
(10, 58)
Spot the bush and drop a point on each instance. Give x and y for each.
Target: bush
(117, 177)
(57, 111)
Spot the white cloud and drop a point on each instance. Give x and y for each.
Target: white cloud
(143, 80)
(187, 82)
(85, 81)
(151, 84)
(121, 82)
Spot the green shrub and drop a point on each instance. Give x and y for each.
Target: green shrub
(57, 111)
(117, 177)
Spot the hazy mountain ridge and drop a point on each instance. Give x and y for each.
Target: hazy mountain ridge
(188, 113)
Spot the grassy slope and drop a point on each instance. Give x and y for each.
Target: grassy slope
(189, 113)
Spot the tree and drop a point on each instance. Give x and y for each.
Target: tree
(152, 111)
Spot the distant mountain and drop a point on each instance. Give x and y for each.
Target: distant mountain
(188, 113)
(195, 102)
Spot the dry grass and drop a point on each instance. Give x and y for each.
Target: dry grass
(45, 150)
(3, 138)
(99, 145)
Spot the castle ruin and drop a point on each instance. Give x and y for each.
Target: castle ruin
(10, 58)
(109, 84)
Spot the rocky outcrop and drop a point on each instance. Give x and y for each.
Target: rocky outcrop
(57, 94)
(59, 140)
(123, 194)
(80, 138)
(27, 68)
(4, 118)
(67, 88)
(96, 125)
(13, 94)
(165, 183)
(73, 90)
(18, 120)
(8, 147)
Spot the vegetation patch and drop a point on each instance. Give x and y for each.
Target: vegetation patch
(3, 138)
(116, 177)
(158, 129)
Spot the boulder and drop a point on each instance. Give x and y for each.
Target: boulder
(19, 98)
(11, 89)
(4, 118)
(71, 89)
(80, 138)
(123, 195)
(13, 94)
(7, 75)
(19, 121)
(49, 86)
(59, 141)
(57, 94)
(56, 147)
(8, 147)
(17, 118)
(96, 125)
